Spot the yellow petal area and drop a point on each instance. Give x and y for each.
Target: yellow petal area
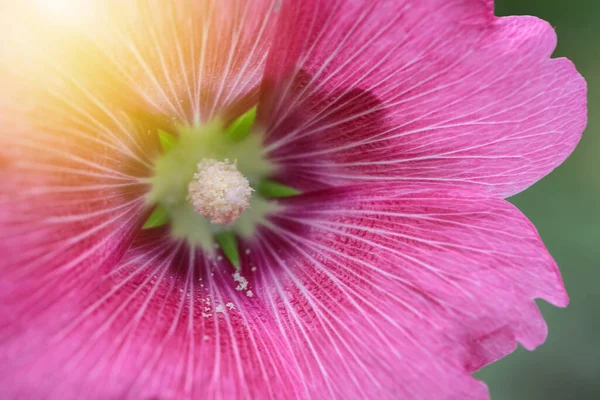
(87, 85)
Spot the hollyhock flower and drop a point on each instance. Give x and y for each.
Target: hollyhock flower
(223, 199)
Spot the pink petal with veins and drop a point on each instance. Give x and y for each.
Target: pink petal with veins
(378, 291)
(431, 90)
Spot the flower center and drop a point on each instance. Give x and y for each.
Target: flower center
(200, 192)
(206, 199)
(219, 191)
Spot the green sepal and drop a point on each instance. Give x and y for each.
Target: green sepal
(241, 127)
(158, 218)
(229, 245)
(167, 141)
(269, 189)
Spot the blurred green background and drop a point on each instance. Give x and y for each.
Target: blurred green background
(565, 208)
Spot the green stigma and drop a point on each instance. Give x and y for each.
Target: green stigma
(211, 184)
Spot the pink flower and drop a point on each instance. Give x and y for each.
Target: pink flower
(397, 272)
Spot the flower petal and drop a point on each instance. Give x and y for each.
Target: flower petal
(381, 291)
(377, 291)
(71, 196)
(403, 290)
(85, 93)
(166, 322)
(431, 90)
(81, 105)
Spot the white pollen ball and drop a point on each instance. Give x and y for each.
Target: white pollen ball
(219, 191)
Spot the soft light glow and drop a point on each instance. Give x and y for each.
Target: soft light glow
(64, 11)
